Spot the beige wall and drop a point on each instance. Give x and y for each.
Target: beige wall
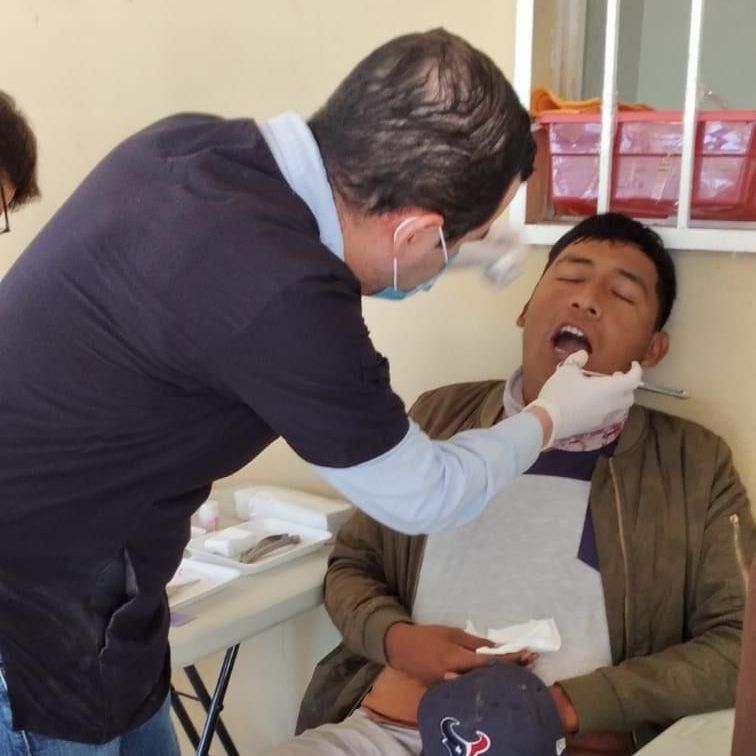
(88, 72)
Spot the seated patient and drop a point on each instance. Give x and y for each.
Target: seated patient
(625, 536)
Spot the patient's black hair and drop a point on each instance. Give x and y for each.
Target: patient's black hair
(620, 229)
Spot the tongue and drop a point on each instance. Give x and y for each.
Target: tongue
(570, 344)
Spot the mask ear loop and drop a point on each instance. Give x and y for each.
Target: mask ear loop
(396, 264)
(443, 246)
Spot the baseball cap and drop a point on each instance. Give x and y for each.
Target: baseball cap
(502, 710)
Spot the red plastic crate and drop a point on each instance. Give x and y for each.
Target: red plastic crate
(646, 164)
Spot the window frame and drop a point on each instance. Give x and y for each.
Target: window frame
(704, 235)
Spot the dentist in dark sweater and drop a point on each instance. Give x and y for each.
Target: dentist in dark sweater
(198, 296)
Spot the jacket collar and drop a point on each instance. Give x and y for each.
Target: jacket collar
(492, 407)
(634, 431)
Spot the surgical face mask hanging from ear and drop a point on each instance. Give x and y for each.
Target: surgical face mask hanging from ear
(395, 292)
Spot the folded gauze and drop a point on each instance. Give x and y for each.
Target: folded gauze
(536, 635)
(230, 542)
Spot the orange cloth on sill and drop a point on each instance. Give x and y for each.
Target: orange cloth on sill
(543, 100)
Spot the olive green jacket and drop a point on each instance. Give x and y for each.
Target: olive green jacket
(744, 736)
(666, 510)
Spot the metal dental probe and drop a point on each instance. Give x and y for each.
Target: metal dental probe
(654, 388)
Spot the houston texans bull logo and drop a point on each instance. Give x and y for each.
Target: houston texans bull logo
(459, 746)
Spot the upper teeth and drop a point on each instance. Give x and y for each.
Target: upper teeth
(573, 330)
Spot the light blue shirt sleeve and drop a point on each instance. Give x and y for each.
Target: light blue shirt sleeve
(423, 486)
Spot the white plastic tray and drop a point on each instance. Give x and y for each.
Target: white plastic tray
(209, 579)
(311, 539)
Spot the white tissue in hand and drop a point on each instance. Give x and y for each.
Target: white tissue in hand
(536, 635)
(230, 542)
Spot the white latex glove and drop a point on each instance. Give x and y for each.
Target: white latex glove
(500, 254)
(578, 403)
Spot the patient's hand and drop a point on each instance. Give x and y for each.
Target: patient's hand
(566, 710)
(591, 743)
(430, 652)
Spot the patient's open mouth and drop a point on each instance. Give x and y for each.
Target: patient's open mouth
(570, 339)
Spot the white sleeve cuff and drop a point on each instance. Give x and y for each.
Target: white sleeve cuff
(422, 486)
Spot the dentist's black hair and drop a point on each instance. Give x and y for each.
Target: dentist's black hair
(427, 121)
(617, 228)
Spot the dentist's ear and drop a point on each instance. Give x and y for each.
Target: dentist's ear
(409, 228)
(521, 317)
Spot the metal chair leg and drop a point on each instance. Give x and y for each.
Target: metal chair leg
(183, 717)
(214, 705)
